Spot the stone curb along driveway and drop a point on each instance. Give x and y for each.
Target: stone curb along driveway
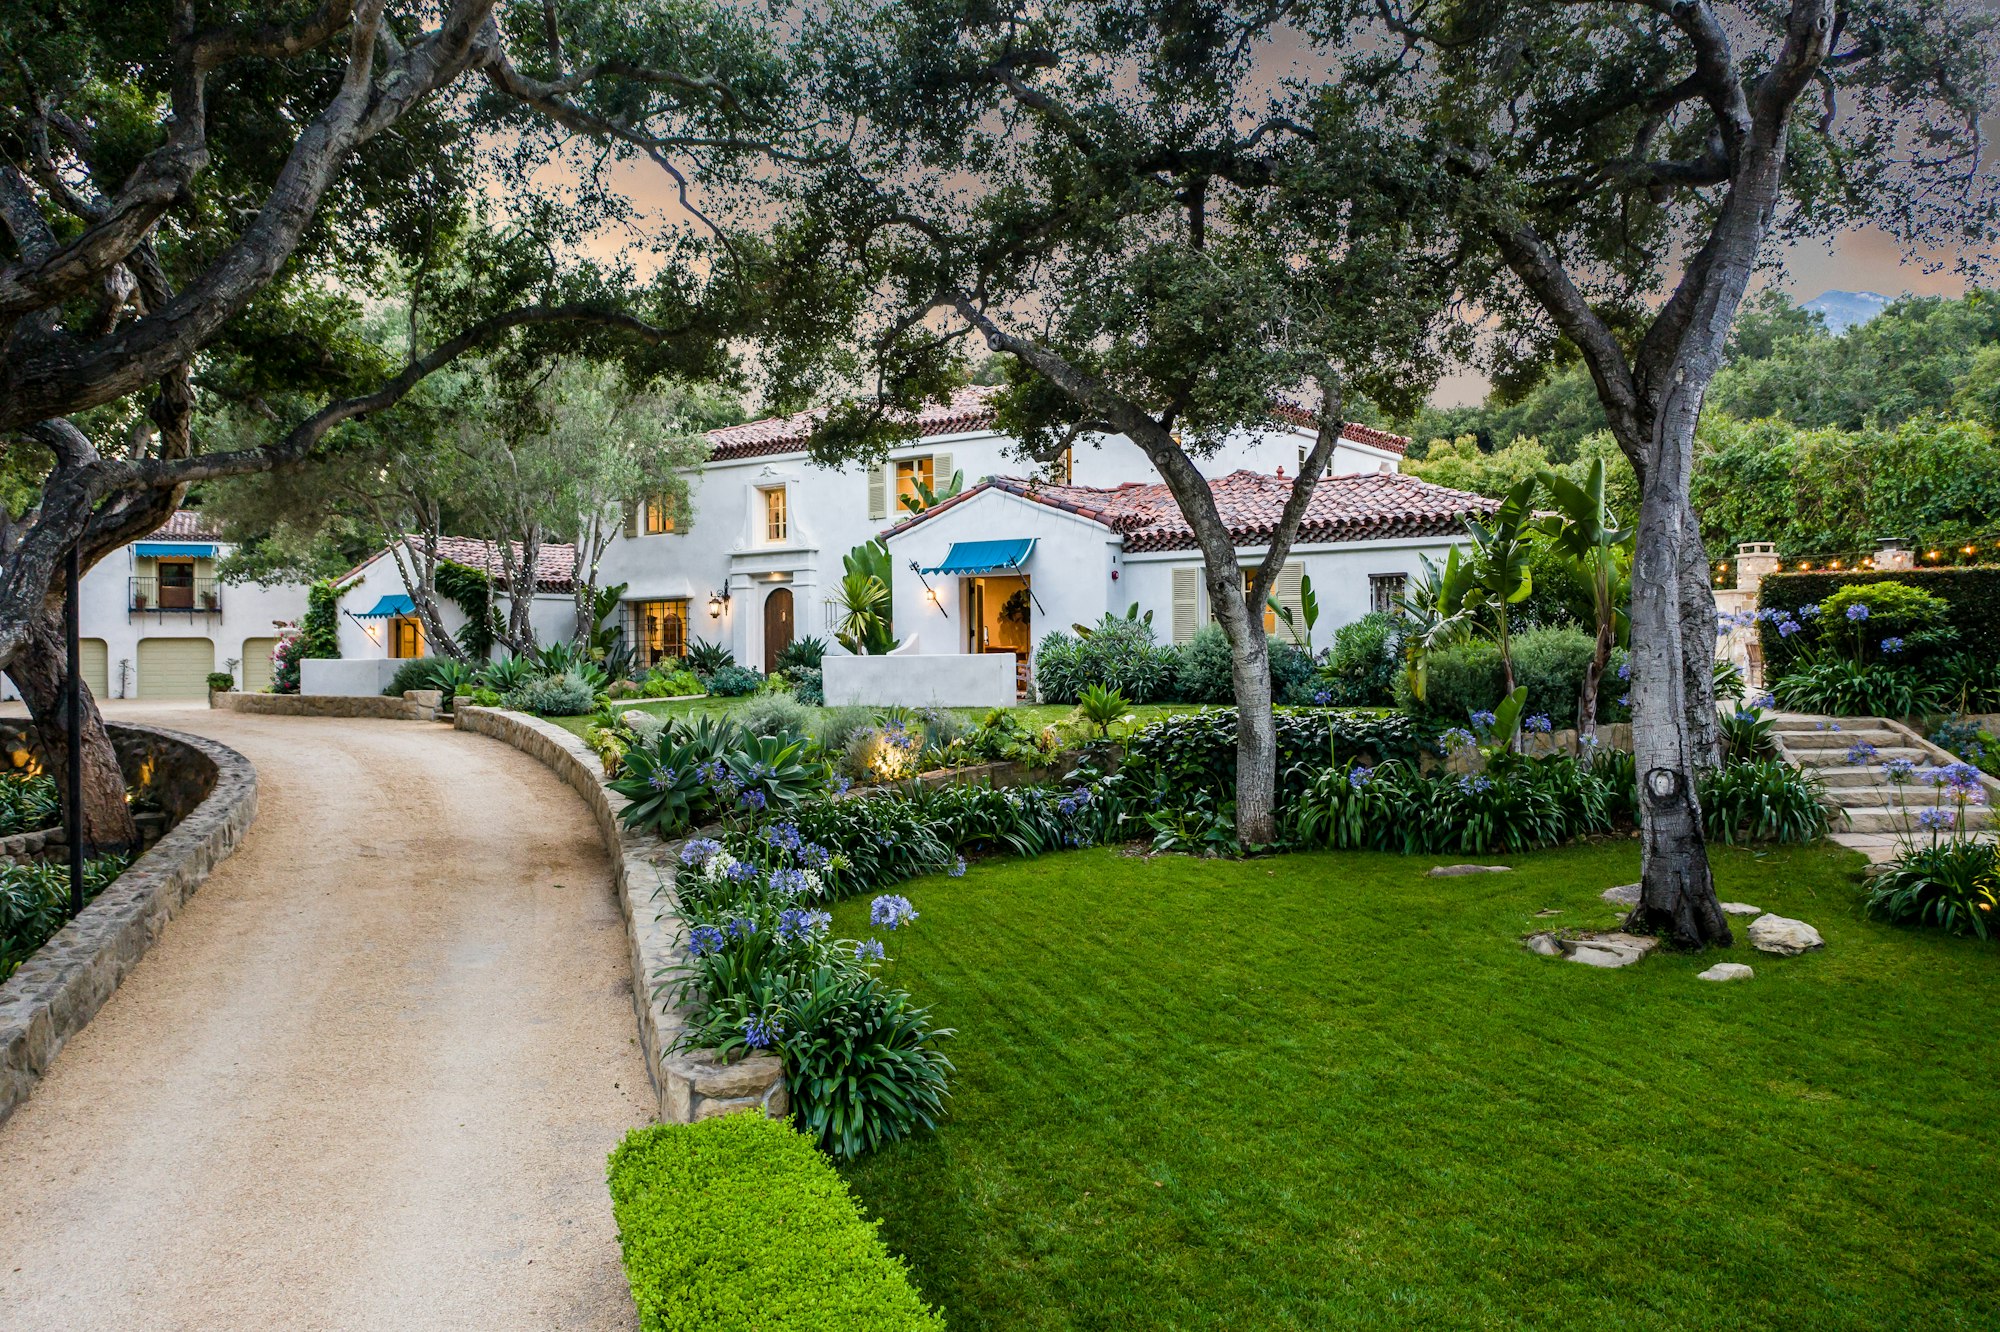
(692, 1084)
(58, 990)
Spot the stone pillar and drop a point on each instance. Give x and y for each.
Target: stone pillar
(1894, 554)
(1754, 559)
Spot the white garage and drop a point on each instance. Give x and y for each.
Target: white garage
(95, 658)
(175, 667)
(257, 664)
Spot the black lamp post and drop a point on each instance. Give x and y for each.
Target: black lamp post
(73, 691)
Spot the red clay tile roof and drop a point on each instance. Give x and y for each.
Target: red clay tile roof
(186, 523)
(970, 408)
(555, 570)
(1364, 507)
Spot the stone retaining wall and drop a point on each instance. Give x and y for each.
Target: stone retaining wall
(326, 705)
(68, 979)
(689, 1085)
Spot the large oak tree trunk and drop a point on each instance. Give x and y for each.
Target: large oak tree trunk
(1677, 892)
(1256, 724)
(39, 671)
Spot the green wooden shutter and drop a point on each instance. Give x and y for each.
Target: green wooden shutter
(940, 472)
(881, 480)
(1187, 603)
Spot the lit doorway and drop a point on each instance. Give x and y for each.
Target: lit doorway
(998, 614)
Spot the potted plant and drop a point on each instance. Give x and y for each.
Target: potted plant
(219, 682)
(208, 599)
(139, 600)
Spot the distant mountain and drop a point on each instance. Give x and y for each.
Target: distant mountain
(1842, 310)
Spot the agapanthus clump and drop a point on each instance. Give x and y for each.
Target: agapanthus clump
(891, 911)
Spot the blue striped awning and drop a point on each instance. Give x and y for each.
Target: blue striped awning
(173, 549)
(982, 557)
(389, 607)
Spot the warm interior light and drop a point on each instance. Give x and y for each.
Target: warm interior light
(1934, 554)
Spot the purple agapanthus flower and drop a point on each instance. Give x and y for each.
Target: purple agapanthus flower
(1475, 784)
(1483, 720)
(814, 856)
(1937, 819)
(957, 871)
(1624, 670)
(700, 850)
(1539, 723)
(798, 923)
(1899, 770)
(761, 1033)
(742, 927)
(788, 882)
(1860, 752)
(784, 836)
(740, 872)
(1322, 697)
(1360, 777)
(1892, 645)
(1788, 628)
(891, 912)
(663, 779)
(1456, 738)
(751, 799)
(868, 950)
(1809, 611)
(704, 939)
(1858, 612)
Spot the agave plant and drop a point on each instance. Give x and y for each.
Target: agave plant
(705, 658)
(663, 782)
(1101, 707)
(508, 675)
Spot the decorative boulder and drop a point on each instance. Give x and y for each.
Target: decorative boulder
(1453, 871)
(1741, 909)
(1726, 971)
(1624, 895)
(1783, 936)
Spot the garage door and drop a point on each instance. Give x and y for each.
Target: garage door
(175, 667)
(257, 664)
(96, 661)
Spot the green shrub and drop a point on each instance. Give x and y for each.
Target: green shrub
(1972, 598)
(553, 696)
(831, 727)
(1762, 800)
(1366, 661)
(1292, 672)
(1118, 653)
(28, 802)
(809, 685)
(1205, 674)
(773, 714)
(737, 1224)
(416, 673)
(733, 682)
(34, 903)
(1952, 883)
(1176, 757)
(1970, 682)
(1460, 681)
(221, 681)
(1842, 688)
(678, 682)
(1552, 664)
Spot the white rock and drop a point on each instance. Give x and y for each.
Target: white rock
(1625, 895)
(1453, 871)
(1545, 944)
(1726, 971)
(1605, 955)
(1783, 936)
(1741, 909)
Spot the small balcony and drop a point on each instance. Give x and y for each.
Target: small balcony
(184, 595)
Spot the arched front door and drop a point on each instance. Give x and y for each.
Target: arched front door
(777, 626)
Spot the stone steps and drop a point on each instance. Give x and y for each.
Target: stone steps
(1861, 798)
(1803, 741)
(1890, 819)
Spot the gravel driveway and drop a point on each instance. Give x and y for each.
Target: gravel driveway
(368, 1077)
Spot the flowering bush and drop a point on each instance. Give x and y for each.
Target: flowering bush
(285, 659)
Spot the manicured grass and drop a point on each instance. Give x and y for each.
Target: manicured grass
(1325, 1091)
(1037, 715)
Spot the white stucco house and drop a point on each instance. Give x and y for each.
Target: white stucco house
(1009, 560)
(757, 561)
(155, 622)
(378, 620)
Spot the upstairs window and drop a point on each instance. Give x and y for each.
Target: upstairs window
(659, 516)
(775, 526)
(908, 473)
(1385, 590)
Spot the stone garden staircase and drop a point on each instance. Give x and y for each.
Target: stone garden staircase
(1853, 778)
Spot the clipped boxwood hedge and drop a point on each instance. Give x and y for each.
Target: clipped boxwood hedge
(1974, 595)
(739, 1223)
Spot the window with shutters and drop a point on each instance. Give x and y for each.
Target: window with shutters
(909, 471)
(1385, 590)
(1270, 616)
(659, 515)
(1187, 602)
(776, 528)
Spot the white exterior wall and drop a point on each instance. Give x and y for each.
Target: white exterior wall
(721, 545)
(1339, 573)
(930, 680)
(248, 610)
(553, 615)
(1069, 573)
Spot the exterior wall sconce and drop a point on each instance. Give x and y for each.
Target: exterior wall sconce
(717, 603)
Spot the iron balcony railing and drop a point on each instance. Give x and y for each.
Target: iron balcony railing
(192, 595)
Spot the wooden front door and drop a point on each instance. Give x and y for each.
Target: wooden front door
(176, 584)
(777, 626)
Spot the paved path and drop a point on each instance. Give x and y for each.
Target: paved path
(367, 1078)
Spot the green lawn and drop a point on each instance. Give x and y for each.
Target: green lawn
(1040, 714)
(1325, 1091)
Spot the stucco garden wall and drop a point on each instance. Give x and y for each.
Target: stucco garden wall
(974, 680)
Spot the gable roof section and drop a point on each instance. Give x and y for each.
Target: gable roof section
(555, 571)
(970, 408)
(185, 523)
(1365, 507)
